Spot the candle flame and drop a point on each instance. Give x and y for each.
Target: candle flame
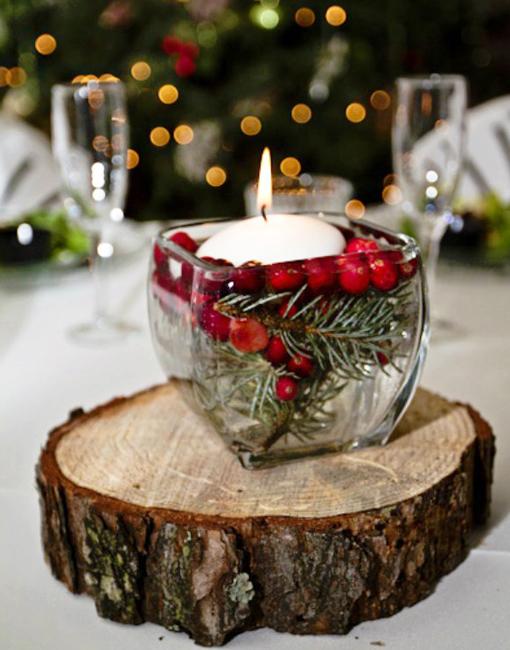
(265, 188)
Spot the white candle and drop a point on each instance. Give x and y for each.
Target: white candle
(276, 238)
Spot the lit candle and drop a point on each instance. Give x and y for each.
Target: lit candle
(273, 238)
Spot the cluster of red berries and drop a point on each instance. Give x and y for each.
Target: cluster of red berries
(363, 265)
(186, 52)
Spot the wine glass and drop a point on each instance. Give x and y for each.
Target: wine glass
(90, 140)
(428, 148)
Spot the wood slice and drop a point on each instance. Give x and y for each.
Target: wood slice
(144, 509)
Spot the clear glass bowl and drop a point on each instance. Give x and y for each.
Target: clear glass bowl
(295, 359)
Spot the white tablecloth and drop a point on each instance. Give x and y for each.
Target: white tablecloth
(43, 376)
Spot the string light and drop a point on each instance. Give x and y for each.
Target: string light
(108, 78)
(301, 113)
(141, 70)
(392, 195)
(355, 112)
(159, 136)
(251, 125)
(168, 94)
(4, 74)
(183, 134)
(336, 15)
(132, 159)
(304, 17)
(45, 44)
(16, 77)
(264, 16)
(89, 77)
(290, 166)
(354, 209)
(216, 176)
(380, 100)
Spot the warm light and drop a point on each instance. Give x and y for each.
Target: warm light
(392, 195)
(265, 188)
(45, 44)
(216, 176)
(132, 159)
(140, 71)
(389, 179)
(89, 77)
(354, 209)
(100, 143)
(380, 100)
(304, 17)
(95, 98)
(251, 125)
(4, 74)
(336, 15)
(183, 134)
(301, 113)
(168, 94)
(108, 78)
(78, 79)
(290, 166)
(16, 77)
(160, 136)
(355, 112)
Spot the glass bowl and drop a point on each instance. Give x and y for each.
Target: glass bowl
(294, 359)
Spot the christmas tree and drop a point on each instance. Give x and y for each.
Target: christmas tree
(210, 82)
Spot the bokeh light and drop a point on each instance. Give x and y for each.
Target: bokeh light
(183, 134)
(355, 112)
(390, 179)
(108, 78)
(45, 44)
(160, 136)
(216, 176)
(251, 125)
(392, 194)
(380, 100)
(4, 74)
(132, 159)
(336, 15)
(301, 113)
(141, 70)
(16, 77)
(264, 16)
(355, 209)
(290, 166)
(168, 94)
(100, 143)
(304, 17)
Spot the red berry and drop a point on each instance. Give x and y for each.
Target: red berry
(217, 261)
(408, 269)
(159, 256)
(383, 359)
(181, 289)
(185, 66)
(301, 365)
(360, 245)
(163, 280)
(354, 274)
(213, 323)
(286, 388)
(248, 279)
(183, 240)
(187, 274)
(320, 275)
(285, 311)
(286, 276)
(383, 272)
(276, 351)
(171, 45)
(191, 49)
(248, 335)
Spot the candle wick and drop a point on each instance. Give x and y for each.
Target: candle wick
(263, 210)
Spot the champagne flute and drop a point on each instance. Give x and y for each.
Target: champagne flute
(428, 148)
(90, 141)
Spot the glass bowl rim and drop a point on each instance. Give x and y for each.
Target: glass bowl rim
(409, 248)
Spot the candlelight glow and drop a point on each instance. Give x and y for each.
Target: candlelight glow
(265, 189)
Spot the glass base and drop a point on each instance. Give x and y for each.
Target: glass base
(101, 332)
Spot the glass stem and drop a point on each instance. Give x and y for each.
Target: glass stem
(431, 232)
(97, 270)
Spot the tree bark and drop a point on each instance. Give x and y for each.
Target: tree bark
(215, 570)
